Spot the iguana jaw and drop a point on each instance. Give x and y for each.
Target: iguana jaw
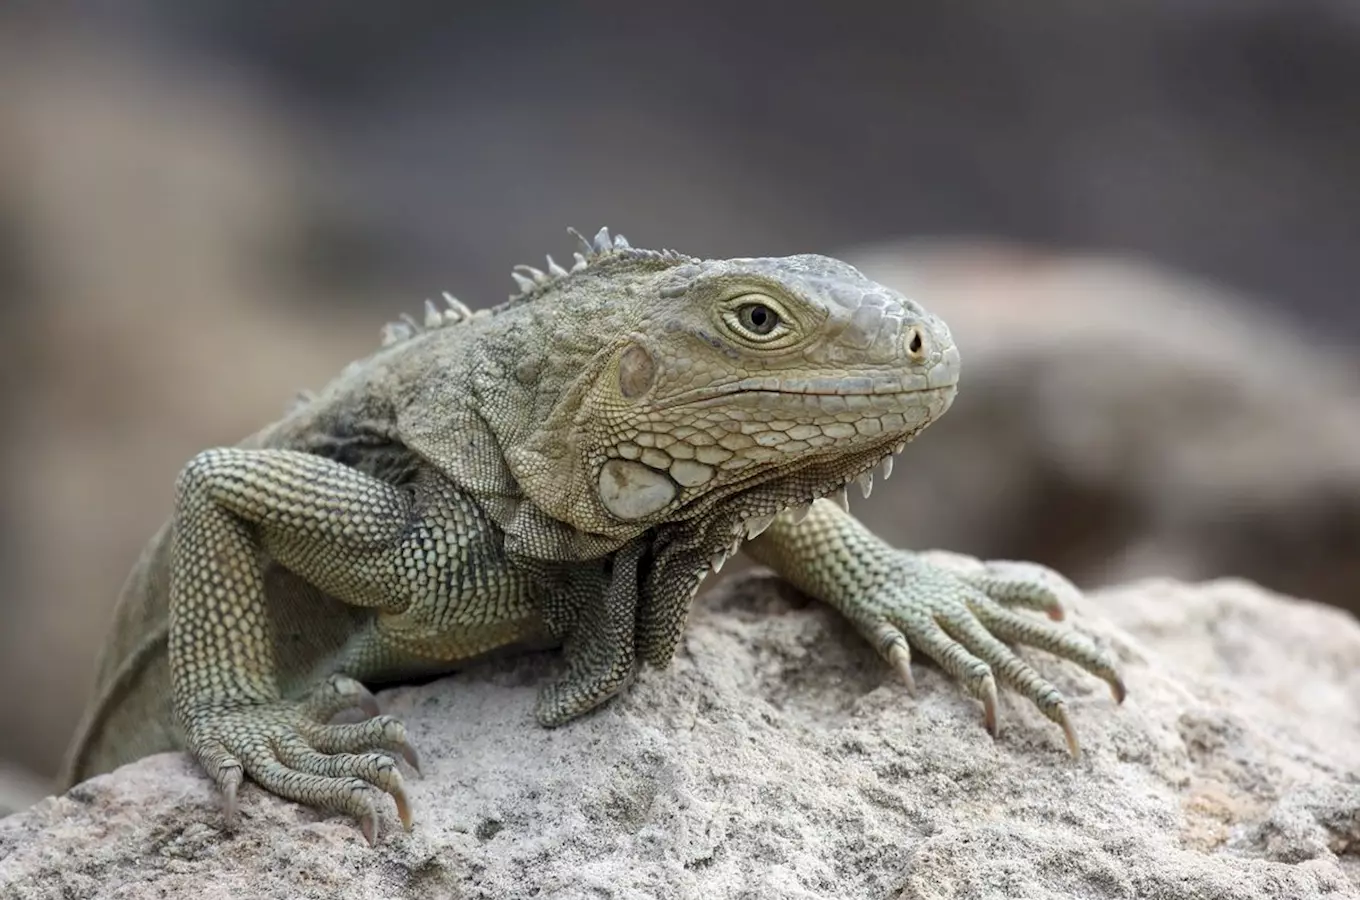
(743, 508)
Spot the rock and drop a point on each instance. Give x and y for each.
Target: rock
(779, 758)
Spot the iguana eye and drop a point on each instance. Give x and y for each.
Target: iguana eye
(757, 318)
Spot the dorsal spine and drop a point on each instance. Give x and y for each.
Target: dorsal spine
(531, 282)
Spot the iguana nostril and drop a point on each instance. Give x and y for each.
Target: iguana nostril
(916, 344)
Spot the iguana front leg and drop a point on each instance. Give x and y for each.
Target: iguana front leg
(953, 608)
(597, 625)
(350, 535)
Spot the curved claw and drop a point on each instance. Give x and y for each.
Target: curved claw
(987, 694)
(1059, 715)
(368, 704)
(412, 758)
(337, 694)
(368, 824)
(403, 805)
(1118, 689)
(230, 782)
(900, 658)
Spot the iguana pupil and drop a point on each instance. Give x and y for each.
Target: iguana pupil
(759, 318)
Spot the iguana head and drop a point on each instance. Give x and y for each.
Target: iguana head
(651, 387)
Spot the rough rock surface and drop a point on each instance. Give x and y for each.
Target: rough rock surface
(778, 758)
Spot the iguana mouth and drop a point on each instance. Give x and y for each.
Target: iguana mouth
(830, 393)
(812, 407)
(845, 385)
(810, 391)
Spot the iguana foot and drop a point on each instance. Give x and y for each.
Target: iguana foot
(290, 749)
(958, 610)
(581, 691)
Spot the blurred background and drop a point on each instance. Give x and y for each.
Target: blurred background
(1140, 218)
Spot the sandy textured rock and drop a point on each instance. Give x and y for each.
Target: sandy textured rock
(778, 758)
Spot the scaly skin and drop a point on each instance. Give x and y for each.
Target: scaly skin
(561, 470)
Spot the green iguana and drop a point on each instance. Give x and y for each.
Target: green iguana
(561, 470)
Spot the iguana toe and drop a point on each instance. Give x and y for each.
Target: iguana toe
(339, 693)
(378, 769)
(226, 772)
(379, 732)
(1062, 642)
(577, 693)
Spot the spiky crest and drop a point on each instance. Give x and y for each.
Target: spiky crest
(531, 282)
(455, 311)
